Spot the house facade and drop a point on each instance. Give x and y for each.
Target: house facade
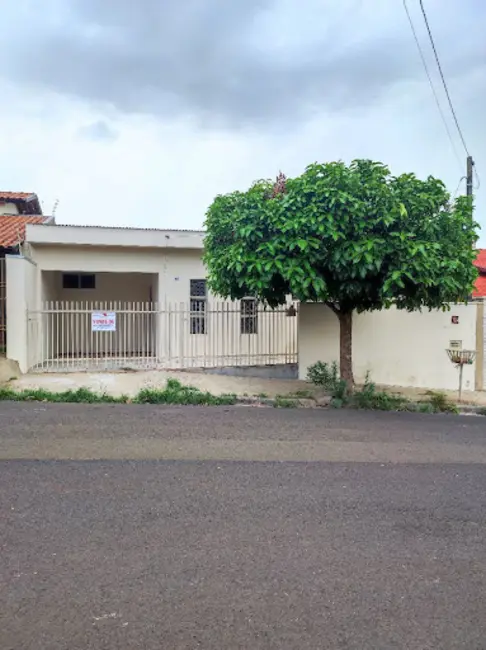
(88, 297)
(17, 209)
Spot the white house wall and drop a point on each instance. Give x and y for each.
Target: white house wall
(21, 285)
(174, 267)
(133, 287)
(397, 348)
(8, 208)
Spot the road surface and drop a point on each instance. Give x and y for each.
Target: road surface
(127, 527)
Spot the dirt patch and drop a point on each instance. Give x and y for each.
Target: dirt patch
(8, 370)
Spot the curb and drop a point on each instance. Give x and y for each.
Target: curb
(324, 403)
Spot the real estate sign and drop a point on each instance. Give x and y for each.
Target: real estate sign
(103, 321)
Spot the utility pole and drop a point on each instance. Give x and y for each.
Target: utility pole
(469, 180)
(469, 176)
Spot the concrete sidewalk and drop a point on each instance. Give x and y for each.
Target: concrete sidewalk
(130, 383)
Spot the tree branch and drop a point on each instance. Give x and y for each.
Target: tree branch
(333, 307)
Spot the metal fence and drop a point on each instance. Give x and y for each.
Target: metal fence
(3, 306)
(64, 336)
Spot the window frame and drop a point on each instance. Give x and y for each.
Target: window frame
(248, 318)
(198, 303)
(79, 281)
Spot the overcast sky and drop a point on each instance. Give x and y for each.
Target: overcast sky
(139, 113)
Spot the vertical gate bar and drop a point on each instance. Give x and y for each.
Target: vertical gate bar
(181, 335)
(238, 348)
(70, 352)
(51, 346)
(217, 334)
(63, 318)
(75, 328)
(126, 309)
(137, 329)
(109, 358)
(129, 329)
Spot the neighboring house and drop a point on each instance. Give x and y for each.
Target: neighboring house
(15, 203)
(95, 297)
(17, 209)
(480, 264)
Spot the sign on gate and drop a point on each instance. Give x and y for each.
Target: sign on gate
(103, 321)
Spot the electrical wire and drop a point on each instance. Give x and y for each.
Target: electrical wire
(442, 77)
(436, 97)
(463, 178)
(478, 180)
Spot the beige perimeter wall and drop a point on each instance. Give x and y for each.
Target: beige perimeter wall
(397, 348)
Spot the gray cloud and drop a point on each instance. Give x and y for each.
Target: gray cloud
(216, 61)
(98, 131)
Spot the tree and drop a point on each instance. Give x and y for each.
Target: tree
(354, 237)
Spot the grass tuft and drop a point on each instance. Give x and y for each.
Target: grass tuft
(173, 393)
(281, 402)
(368, 397)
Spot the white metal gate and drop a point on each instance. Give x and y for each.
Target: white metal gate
(66, 336)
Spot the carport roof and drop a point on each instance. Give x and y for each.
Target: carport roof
(104, 236)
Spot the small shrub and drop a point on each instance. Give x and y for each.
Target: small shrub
(426, 408)
(336, 403)
(481, 411)
(370, 398)
(284, 403)
(440, 403)
(323, 374)
(301, 394)
(176, 393)
(327, 376)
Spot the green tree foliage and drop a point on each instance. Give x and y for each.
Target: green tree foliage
(354, 237)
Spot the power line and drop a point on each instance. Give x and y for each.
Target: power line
(442, 77)
(424, 62)
(478, 180)
(463, 178)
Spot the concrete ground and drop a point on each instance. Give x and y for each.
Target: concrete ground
(129, 527)
(129, 383)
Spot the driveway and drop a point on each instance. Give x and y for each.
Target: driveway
(376, 545)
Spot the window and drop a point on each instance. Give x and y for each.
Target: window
(78, 281)
(198, 302)
(249, 316)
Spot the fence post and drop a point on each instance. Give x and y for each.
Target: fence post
(20, 284)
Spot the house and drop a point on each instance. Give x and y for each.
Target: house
(17, 209)
(89, 297)
(480, 264)
(15, 203)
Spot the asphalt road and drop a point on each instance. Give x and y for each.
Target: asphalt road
(198, 552)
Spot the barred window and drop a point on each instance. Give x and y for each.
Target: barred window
(249, 316)
(78, 281)
(198, 303)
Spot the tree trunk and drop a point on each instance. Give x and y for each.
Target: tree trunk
(346, 347)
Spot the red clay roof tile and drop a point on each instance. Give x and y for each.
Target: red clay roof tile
(480, 264)
(16, 196)
(12, 228)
